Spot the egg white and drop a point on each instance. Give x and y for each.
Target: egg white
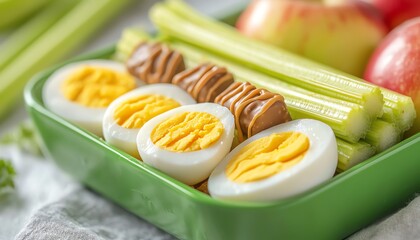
(125, 138)
(188, 167)
(317, 166)
(85, 117)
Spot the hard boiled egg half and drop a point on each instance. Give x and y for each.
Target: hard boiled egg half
(279, 162)
(187, 142)
(127, 114)
(80, 92)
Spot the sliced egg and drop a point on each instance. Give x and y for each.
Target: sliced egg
(80, 92)
(187, 142)
(279, 162)
(127, 114)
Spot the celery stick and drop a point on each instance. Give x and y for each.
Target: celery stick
(181, 22)
(382, 135)
(305, 104)
(388, 115)
(350, 154)
(14, 11)
(132, 37)
(32, 29)
(61, 39)
(348, 120)
(398, 109)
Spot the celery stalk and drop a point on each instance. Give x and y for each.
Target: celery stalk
(28, 32)
(348, 120)
(13, 12)
(398, 109)
(180, 22)
(60, 40)
(350, 154)
(132, 37)
(382, 135)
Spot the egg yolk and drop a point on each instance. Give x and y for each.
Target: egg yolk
(96, 87)
(187, 132)
(267, 156)
(135, 112)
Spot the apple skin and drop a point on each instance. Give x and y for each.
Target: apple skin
(395, 64)
(339, 35)
(396, 12)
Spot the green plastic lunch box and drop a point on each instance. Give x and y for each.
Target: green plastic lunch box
(336, 209)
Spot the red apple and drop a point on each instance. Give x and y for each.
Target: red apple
(336, 33)
(397, 11)
(395, 64)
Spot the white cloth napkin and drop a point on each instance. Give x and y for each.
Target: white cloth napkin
(405, 224)
(84, 215)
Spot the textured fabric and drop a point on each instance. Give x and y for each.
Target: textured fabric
(85, 215)
(404, 224)
(37, 182)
